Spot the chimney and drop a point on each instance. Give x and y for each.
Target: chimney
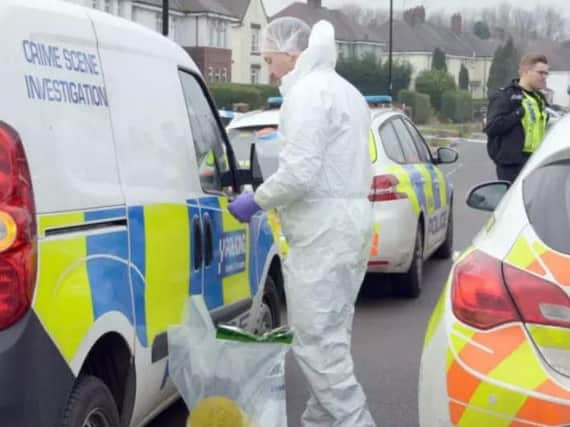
(416, 15)
(316, 4)
(457, 24)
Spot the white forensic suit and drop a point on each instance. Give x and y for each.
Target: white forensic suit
(321, 192)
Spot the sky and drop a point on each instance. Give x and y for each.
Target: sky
(451, 6)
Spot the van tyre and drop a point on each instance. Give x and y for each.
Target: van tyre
(270, 314)
(90, 404)
(410, 283)
(445, 251)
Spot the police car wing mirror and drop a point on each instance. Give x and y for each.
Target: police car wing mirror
(487, 196)
(446, 155)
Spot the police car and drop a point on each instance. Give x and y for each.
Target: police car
(107, 220)
(227, 116)
(412, 197)
(497, 348)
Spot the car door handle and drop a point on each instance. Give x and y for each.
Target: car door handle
(208, 241)
(198, 244)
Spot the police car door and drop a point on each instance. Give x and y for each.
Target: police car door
(438, 225)
(421, 178)
(225, 248)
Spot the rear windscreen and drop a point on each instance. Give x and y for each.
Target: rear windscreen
(546, 193)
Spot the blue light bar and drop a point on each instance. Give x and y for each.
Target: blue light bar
(226, 114)
(274, 101)
(378, 99)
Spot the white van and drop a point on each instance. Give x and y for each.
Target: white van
(115, 175)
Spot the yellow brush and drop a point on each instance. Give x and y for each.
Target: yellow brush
(218, 411)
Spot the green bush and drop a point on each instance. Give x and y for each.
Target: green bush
(267, 91)
(227, 94)
(419, 103)
(435, 83)
(457, 106)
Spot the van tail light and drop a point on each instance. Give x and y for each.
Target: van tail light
(538, 301)
(384, 189)
(479, 296)
(18, 252)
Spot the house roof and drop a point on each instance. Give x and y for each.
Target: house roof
(195, 6)
(425, 37)
(558, 54)
(236, 7)
(345, 28)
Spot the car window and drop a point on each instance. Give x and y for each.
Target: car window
(391, 143)
(410, 152)
(420, 142)
(549, 211)
(206, 133)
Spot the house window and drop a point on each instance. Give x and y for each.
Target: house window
(159, 22)
(213, 32)
(224, 74)
(108, 6)
(255, 32)
(218, 33)
(210, 74)
(222, 35)
(172, 29)
(255, 69)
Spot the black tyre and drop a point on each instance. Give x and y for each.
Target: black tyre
(445, 251)
(270, 315)
(410, 283)
(90, 404)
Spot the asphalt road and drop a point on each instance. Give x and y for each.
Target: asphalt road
(388, 331)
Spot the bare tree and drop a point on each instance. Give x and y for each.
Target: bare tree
(524, 24)
(550, 23)
(365, 16)
(504, 15)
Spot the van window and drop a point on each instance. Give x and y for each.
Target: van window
(206, 133)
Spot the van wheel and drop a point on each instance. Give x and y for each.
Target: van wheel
(90, 405)
(410, 283)
(445, 251)
(270, 312)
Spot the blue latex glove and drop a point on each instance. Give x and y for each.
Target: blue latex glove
(244, 207)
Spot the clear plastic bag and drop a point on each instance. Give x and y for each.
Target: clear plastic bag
(228, 377)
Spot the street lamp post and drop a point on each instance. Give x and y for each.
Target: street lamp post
(390, 48)
(165, 15)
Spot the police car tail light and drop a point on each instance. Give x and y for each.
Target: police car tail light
(479, 296)
(384, 189)
(17, 229)
(539, 301)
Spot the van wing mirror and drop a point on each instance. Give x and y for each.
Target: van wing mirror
(487, 196)
(264, 160)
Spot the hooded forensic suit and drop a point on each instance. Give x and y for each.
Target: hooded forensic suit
(321, 192)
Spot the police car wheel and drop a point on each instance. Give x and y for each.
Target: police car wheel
(445, 251)
(410, 284)
(270, 316)
(90, 404)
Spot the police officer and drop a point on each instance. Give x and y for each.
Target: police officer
(517, 118)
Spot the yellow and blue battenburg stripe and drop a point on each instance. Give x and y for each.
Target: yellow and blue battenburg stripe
(140, 265)
(425, 184)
